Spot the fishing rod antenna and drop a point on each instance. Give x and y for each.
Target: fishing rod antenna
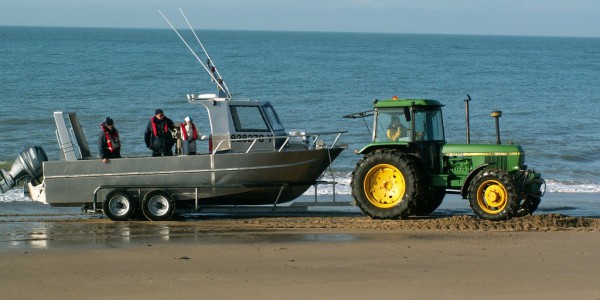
(212, 71)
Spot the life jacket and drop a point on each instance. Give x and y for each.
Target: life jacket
(154, 126)
(184, 132)
(393, 134)
(112, 138)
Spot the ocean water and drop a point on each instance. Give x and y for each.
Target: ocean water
(548, 88)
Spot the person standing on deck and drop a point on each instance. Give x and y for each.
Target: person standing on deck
(109, 144)
(158, 136)
(189, 135)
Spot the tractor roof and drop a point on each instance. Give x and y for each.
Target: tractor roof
(406, 102)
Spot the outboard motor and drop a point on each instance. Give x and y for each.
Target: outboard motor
(28, 163)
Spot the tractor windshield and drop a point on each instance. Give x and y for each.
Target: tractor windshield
(394, 125)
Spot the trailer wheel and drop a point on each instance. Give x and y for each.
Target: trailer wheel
(118, 205)
(158, 206)
(431, 201)
(385, 184)
(528, 206)
(492, 195)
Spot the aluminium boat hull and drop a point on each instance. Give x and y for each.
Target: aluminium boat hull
(254, 178)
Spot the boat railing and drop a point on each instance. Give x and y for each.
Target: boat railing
(317, 140)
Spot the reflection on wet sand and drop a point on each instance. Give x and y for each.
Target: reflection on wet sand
(107, 234)
(37, 226)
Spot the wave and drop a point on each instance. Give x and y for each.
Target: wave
(14, 195)
(552, 186)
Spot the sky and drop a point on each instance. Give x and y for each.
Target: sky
(488, 17)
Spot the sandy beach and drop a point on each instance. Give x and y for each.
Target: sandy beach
(546, 256)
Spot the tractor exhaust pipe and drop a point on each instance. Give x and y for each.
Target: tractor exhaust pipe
(496, 115)
(467, 118)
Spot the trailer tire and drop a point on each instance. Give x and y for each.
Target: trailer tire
(158, 205)
(119, 205)
(493, 195)
(385, 184)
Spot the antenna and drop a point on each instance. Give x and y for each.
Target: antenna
(209, 62)
(223, 90)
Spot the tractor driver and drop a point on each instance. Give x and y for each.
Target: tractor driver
(396, 130)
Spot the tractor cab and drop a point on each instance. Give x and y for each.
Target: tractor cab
(408, 121)
(415, 125)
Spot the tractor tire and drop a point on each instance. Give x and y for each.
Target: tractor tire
(493, 195)
(432, 199)
(528, 206)
(385, 185)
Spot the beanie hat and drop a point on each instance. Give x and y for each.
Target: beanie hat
(109, 121)
(188, 119)
(158, 111)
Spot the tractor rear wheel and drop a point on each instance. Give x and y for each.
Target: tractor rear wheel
(493, 195)
(385, 184)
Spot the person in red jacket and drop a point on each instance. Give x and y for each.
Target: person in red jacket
(189, 135)
(109, 144)
(159, 136)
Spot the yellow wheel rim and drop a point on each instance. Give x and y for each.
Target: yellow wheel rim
(384, 186)
(492, 196)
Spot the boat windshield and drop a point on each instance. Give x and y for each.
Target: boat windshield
(273, 117)
(248, 119)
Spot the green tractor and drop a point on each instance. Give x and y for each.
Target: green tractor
(408, 167)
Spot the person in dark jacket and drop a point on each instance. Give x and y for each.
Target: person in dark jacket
(158, 136)
(109, 144)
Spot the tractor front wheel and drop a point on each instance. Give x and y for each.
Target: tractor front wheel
(385, 185)
(493, 195)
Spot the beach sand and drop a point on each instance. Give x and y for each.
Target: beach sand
(546, 256)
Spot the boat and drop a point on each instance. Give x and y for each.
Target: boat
(251, 160)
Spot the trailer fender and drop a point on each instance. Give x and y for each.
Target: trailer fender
(464, 190)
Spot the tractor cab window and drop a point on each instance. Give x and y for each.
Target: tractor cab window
(392, 125)
(395, 125)
(428, 125)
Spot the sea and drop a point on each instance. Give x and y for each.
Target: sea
(548, 89)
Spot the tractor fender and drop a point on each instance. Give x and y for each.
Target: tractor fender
(372, 147)
(464, 190)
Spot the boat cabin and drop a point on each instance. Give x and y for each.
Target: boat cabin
(249, 125)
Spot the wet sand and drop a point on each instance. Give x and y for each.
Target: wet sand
(297, 257)
(54, 253)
